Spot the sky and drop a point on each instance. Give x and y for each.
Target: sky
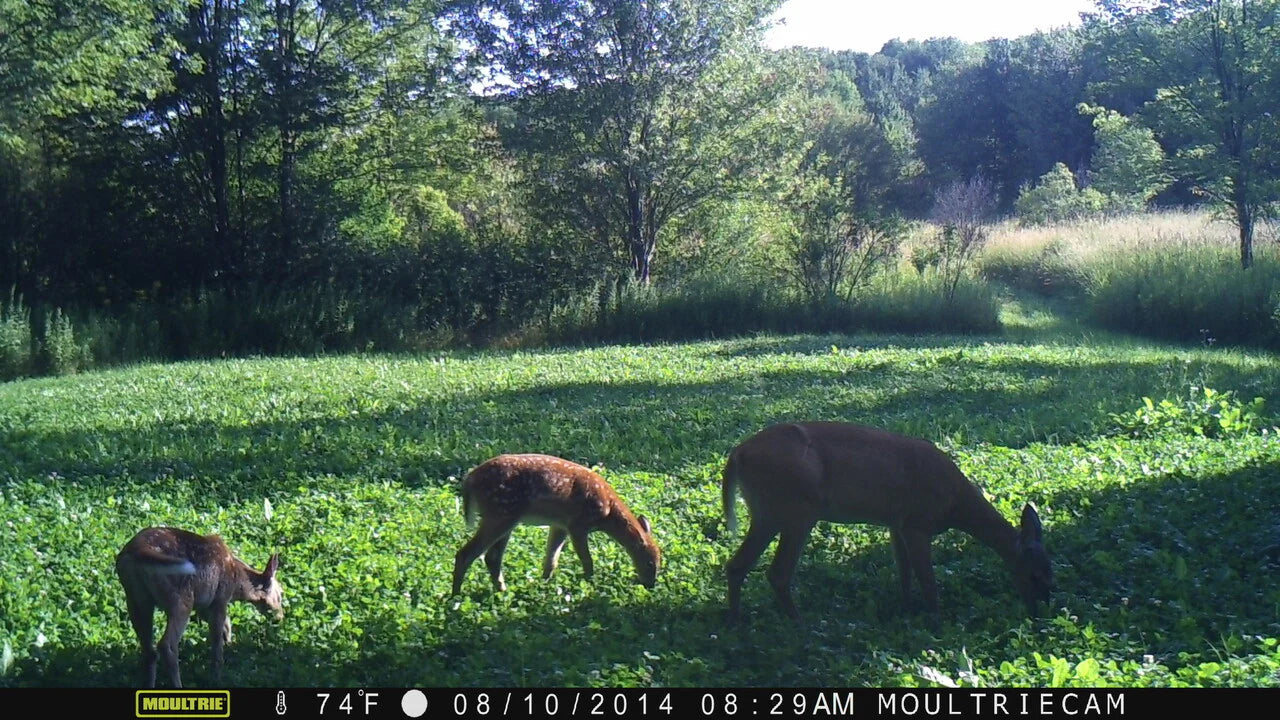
(865, 25)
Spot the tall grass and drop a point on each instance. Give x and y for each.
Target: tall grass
(1195, 294)
(1174, 275)
(899, 301)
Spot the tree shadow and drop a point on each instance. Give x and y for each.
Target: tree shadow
(1166, 565)
(962, 397)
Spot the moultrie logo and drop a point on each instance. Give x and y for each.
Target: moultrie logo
(182, 703)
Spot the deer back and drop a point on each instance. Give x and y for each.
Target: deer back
(541, 489)
(849, 473)
(171, 567)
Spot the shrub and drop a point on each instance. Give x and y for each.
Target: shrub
(60, 352)
(834, 250)
(1205, 412)
(1055, 198)
(1128, 165)
(962, 211)
(15, 339)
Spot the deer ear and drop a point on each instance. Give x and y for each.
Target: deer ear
(644, 523)
(1032, 531)
(272, 565)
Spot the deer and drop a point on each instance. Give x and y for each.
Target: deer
(542, 490)
(180, 572)
(792, 475)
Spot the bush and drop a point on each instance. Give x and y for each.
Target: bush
(962, 210)
(1055, 198)
(1204, 412)
(15, 339)
(60, 352)
(1128, 164)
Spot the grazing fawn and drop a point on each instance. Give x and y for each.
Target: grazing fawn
(180, 572)
(793, 475)
(509, 490)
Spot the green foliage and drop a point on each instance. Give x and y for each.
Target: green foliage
(1128, 165)
(1204, 412)
(15, 339)
(673, 104)
(64, 57)
(60, 353)
(835, 251)
(1195, 294)
(716, 307)
(1055, 198)
(1157, 565)
(1046, 269)
(1215, 106)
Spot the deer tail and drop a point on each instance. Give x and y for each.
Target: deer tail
(728, 490)
(468, 510)
(158, 563)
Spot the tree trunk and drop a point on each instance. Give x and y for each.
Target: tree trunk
(1244, 218)
(215, 137)
(636, 235)
(285, 47)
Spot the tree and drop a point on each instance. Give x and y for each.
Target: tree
(1128, 165)
(61, 57)
(1056, 198)
(78, 65)
(631, 113)
(961, 210)
(1216, 65)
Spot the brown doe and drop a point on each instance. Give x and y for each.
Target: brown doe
(793, 475)
(510, 490)
(181, 572)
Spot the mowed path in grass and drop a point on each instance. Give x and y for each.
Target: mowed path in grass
(1164, 546)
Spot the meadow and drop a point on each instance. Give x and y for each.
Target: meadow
(1160, 518)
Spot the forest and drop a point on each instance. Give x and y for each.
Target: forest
(227, 177)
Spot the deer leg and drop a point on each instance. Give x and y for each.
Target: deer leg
(916, 545)
(579, 538)
(783, 568)
(490, 531)
(758, 538)
(555, 543)
(178, 618)
(219, 635)
(141, 615)
(493, 560)
(904, 564)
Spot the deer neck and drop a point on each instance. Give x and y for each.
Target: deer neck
(982, 521)
(241, 578)
(622, 527)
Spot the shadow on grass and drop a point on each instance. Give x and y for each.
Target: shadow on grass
(1164, 566)
(667, 427)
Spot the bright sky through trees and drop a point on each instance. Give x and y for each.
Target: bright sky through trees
(866, 25)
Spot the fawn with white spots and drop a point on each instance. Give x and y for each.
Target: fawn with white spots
(181, 572)
(573, 501)
(793, 475)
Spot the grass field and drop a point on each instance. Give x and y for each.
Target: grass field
(1164, 539)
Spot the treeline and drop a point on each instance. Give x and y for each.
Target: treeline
(197, 177)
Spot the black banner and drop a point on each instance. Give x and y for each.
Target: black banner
(385, 703)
